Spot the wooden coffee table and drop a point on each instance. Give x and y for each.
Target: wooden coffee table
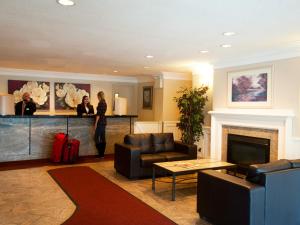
(183, 167)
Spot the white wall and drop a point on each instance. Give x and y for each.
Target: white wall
(286, 86)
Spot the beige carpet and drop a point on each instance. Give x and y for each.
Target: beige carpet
(31, 197)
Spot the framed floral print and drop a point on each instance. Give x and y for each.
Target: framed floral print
(69, 95)
(39, 92)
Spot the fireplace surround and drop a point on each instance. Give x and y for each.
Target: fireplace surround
(275, 125)
(251, 132)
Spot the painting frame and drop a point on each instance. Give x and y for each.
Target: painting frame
(39, 92)
(258, 95)
(68, 95)
(147, 97)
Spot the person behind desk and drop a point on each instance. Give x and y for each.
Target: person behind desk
(85, 108)
(26, 107)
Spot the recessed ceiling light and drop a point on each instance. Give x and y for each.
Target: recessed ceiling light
(149, 56)
(115, 71)
(225, 46)
(66, 2)
(203, 51)
(229, 33)
(147, 67)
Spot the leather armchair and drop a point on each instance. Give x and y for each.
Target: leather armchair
(268, 196)
(134, 158)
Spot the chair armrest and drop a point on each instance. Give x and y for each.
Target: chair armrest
(222, 197)
(127, 160)
(191, 150)
(282, 196)
(232, 180)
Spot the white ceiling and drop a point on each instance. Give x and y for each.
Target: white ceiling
(99, 36)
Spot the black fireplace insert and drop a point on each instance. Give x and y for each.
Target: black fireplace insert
(245, 150)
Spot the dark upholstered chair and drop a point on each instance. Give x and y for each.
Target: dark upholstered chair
(134, 158)
(268, 196)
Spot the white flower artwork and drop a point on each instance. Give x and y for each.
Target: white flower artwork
(39, 91)
(68, 95)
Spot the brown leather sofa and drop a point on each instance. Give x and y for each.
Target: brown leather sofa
(134, 158)
(268, 196)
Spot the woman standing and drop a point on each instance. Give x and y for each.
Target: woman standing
(100, 124)
(85, 108)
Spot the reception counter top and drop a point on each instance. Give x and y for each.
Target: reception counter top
(31, 137)
(66, 116)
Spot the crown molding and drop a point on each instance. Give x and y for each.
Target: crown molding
(145, 79)
(66, 75)
(176, 76)
(261, 58)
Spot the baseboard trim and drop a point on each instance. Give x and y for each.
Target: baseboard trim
(25, 164)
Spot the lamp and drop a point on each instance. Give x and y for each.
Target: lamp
(120, 106)
(66, 2)
(7, 104)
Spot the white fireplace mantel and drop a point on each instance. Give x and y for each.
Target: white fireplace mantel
(273, 119)
(254, 112)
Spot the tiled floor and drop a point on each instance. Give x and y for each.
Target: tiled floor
(31, 197)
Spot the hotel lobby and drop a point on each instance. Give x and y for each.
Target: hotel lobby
(243, 169)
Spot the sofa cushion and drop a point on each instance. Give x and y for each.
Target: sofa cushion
(140, 140)
(163, 142)
(295, 163)
(174, 156)
(255, 171)
(147, 160)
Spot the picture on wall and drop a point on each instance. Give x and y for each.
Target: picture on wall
(250, 88)
(69, 95)
(39, 92)
(147, 97)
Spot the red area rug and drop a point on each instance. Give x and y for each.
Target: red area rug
(101, 202)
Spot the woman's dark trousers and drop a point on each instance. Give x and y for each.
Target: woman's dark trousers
(100, 139)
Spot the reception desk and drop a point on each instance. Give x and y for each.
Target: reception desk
(31, 137)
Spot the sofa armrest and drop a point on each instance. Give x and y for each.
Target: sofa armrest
(127, 160)
(225, 199)
(191, 150)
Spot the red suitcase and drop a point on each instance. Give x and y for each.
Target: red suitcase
(71, 151)
(60, 140)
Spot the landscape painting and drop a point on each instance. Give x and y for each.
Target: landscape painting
(250, 88)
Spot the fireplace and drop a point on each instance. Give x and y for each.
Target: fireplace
(245, 150)
(272, 124)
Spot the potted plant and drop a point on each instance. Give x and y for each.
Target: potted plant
(191, 105)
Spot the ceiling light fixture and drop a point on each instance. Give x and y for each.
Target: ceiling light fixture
(115, 71)
(149, 56)
(225, 46)
(66, 2)
(229, 33)
(203, 51)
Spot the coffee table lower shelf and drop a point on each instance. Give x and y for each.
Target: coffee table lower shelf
(177, 168)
